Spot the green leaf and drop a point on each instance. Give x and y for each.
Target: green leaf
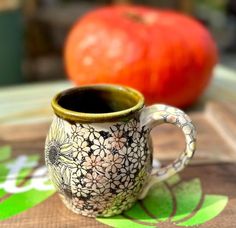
(3, 173)
(138, 213)
(187, 196)
(22, 201)
(212, 206)
(22, 174)
(26, 171)
(5, 153)
(159, 202)
(19, 202)
(173, 180)
(119, 221)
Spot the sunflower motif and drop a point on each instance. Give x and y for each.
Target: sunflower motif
(59, 160)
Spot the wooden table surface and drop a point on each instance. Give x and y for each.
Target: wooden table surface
(211, 177)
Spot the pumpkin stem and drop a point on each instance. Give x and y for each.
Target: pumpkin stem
(134, 17)
(146, 19)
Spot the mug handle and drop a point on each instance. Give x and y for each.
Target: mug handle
(155, 115)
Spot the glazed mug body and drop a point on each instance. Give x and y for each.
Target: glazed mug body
(100, 162)
(98, 169)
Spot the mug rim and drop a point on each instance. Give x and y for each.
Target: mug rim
(74, 116)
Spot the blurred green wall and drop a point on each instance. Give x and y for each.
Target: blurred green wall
(11, 47)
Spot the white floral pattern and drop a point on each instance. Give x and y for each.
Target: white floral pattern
(101, 147)
(100, 169)
(106, 163)
(81, 148)
(94, 163)
(118, 139)
(94, 181)
(113, 180)
(133, 129)
(113, 163)
(79, 190)
(85, 131)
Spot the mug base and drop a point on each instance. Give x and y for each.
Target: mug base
(91, 214)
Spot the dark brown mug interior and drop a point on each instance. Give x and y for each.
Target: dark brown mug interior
(97, 99)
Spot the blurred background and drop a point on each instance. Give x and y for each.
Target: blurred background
(32, 32)
(32, 37)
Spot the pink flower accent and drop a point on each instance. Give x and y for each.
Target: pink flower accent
(93, 162)
(113, 163)
(94, 181)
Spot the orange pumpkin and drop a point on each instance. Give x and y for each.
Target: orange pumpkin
(167, 56)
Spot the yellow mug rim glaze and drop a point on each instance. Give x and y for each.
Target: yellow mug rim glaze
(74, 116)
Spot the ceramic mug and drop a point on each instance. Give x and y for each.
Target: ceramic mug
(99, 151)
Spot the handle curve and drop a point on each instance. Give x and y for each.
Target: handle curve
(155, 115)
